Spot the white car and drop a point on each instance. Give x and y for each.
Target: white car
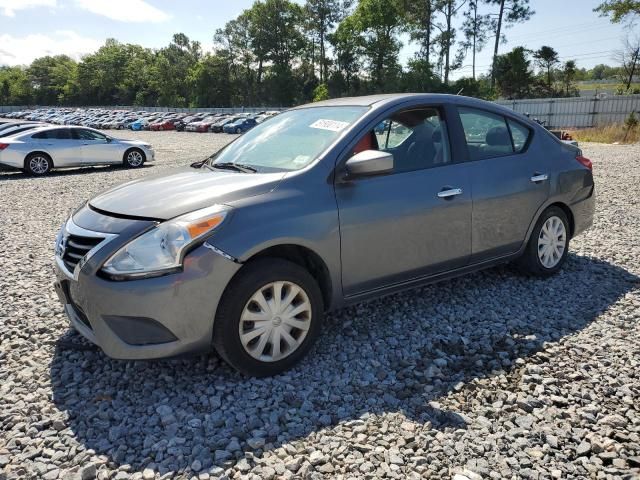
(39, 150)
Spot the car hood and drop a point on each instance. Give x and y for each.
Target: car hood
(184, 190)
(125, 141)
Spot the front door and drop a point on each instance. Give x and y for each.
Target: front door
(95, 147)
(412, 222)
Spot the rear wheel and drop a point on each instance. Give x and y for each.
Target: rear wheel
(134, 158)
(268, 318)
(238, 130)
(548, 245)
(38, 164)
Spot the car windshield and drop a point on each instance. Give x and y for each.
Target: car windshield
(290, 141)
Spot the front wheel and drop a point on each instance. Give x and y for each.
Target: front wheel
(268, 318)
(548, 245)
(238, 130)
(134, 158)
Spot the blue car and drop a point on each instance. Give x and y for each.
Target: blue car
(138, 124)
(240, 126)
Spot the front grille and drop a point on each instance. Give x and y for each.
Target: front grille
(76, 247)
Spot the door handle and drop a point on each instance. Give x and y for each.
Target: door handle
(539, 177)
(449, 193)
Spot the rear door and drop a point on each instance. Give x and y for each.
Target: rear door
(414, 221)
(509, 183)
(64, 151)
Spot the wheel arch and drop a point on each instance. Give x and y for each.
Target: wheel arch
(129, 149)
(567, 211)
(304, 257)
(559, 204)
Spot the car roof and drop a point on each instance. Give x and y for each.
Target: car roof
(391, 99)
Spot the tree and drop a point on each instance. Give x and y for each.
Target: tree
(322, 15)
(235, 44)
(54, 79)
(347, 48)
(568, 76)
(547, 58)
(619, 10)
(421, 16)
(510, 12)
(211, 82)
(276, 37)
(512, 73)
(449, 9)
(378, 23)
(475, 29)
(629, 58)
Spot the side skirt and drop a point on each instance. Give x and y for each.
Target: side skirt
(426, 280)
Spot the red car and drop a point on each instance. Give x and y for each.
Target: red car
(165, 124)
(203, 125)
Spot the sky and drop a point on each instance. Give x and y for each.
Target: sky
(33, 28)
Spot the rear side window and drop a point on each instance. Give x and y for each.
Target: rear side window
(58, 134)
(519, 134)
(491, 135)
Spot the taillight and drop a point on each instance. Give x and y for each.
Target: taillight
(585, 161)
(3, 146)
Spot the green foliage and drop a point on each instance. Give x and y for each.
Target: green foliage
(377, 24)
(286, 52)
(513, 74)
(618, 10)
(546, 57)
(321, 92)
(631, 121)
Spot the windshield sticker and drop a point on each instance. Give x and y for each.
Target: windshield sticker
(301, 160)
(332, 125)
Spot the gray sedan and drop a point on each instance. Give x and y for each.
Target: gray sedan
(38, 150)
(323, 206)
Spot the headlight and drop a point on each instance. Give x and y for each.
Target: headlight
(161, 249)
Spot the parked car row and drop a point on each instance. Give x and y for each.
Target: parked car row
(141, 120)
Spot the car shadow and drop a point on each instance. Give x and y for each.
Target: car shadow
(7, 174)
(403, 353)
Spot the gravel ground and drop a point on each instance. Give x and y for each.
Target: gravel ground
(492, 375)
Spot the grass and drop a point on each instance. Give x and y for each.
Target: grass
(607, 134)
(606, 86)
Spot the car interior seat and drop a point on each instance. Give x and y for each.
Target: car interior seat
(498, 142)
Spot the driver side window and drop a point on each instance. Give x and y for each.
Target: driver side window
(82, 134)
(417, 138)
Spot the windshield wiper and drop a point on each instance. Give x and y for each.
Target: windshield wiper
(238, 167)
(199, 163)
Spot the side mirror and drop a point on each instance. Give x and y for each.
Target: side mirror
(370, 162)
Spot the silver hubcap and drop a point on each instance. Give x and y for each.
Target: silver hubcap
(134, 158)
(275, 321)
(551, 242)
(39, 165)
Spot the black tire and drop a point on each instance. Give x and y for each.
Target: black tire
(134, 158)
(530, 263)
(254, 276)
(238, 130)
(38, 164)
